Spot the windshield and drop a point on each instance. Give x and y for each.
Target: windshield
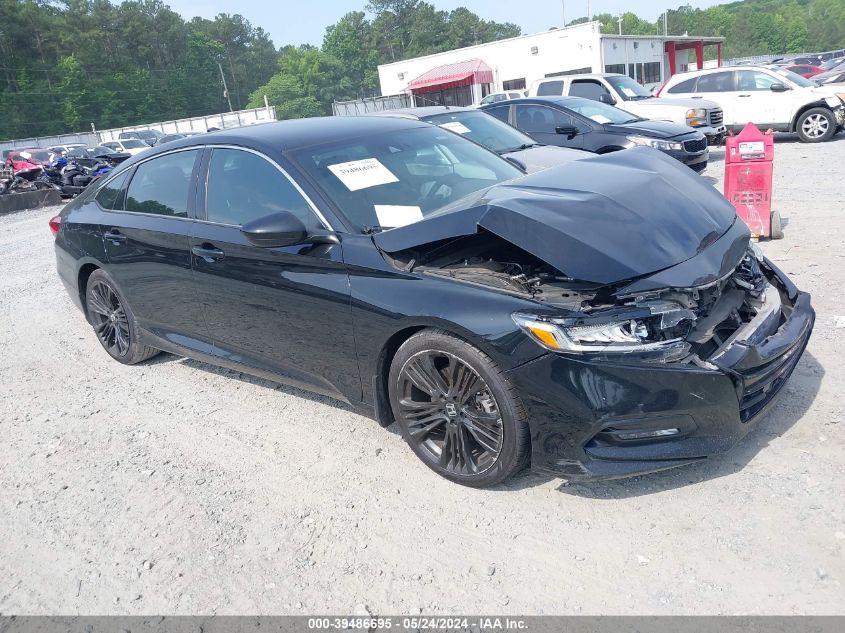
(600, 112)
(629, 89)
(795, 78)
(134, 143)
(399, 178)
(484, 130)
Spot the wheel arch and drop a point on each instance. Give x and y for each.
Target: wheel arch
(793, 126)
(82, 276)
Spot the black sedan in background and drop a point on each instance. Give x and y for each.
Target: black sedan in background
(505, 140)
(597, 127)
(599, 319)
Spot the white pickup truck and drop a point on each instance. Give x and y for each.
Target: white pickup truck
(626, 94)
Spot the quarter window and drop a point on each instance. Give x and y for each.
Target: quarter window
(109, 196)
(243, 186)
(160, 186)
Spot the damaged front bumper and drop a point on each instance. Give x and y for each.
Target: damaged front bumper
(594, 419)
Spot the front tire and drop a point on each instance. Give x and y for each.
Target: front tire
(816, 125)
(113, 321)
(457, 410)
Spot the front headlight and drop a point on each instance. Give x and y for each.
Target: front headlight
(664, 146)
(660, 328)
(696, 117)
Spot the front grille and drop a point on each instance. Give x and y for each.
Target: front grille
(762, 383)
(698, 145)
(716, 117)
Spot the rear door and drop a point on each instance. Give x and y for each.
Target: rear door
(146, 234)
(721, 88)
(281, 310)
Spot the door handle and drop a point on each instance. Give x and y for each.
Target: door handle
(114, 236)
(743, 95)
(208, 252)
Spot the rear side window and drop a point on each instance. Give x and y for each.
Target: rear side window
(587, 89)
(716, 82)
(550, 89)
(683, 87)
(160, 186)
(109, 196)
(243, 186)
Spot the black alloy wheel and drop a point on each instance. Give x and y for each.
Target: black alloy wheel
(113, 320)
(456, 410)
(108, 318)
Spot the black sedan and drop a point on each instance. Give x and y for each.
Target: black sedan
(505, 140)
(597, 127)
(599, 319)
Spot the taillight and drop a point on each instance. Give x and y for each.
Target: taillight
(55, 224)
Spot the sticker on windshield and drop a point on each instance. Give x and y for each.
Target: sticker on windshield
(455, 126)
(628, 92)
(361, 174)
(393, 215)
(598, 118)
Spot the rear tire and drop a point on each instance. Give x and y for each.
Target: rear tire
(113, 321)
(816, 125)
(457, 410)
(776, 231)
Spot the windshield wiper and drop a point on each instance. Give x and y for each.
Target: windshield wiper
(516, 149)
(375, 228)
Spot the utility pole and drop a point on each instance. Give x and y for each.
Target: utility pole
(665, 25)
(563, 11)
(619, 19)
(225, 89)
(589, 12)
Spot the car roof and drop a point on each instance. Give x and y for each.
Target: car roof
(581, 76)
(559, 100)
(294, 134)
(419, 113)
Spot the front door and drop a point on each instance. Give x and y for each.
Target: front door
(541, 123)
(285, 310)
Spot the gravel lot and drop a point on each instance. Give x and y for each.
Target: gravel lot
(175, 487)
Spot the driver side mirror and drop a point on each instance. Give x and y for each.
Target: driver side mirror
(284, 229)
(607, 98)
(778, 87)
(570, 130)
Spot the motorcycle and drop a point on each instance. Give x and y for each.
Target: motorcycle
(70, 177)
(26, 178)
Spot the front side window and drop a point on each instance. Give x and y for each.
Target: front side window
(587, 89)
(500, 112)
(398, 178)
(134, 144)
(161, 186)
(716, 82)
(537, 119)
(753, 80)
(243, 186)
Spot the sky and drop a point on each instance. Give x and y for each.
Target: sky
(301, 22)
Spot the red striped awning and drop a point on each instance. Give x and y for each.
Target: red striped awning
(466, 73)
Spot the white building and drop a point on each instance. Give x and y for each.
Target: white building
(465, 75)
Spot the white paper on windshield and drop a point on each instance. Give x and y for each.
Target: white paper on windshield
(628, 92)
(455, 126)
(393, 215)
(360, 174)
(598, 118)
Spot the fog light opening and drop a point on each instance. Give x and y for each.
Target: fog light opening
(645, 435)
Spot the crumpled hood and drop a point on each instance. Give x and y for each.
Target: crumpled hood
(603, 220)
(544, 156)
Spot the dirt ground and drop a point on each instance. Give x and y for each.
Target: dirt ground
(174, 487)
